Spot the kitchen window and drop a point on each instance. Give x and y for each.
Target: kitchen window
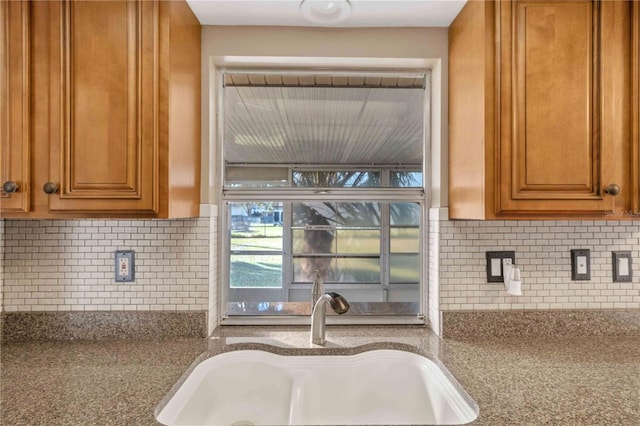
(323, 180)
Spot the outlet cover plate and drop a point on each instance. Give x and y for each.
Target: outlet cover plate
(622, 268)
(580, 264)
(494, 264)
(125, 266)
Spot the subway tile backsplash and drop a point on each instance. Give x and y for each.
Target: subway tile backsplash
(434, 271)
(68, 265)
(1, 264)
(542, 251)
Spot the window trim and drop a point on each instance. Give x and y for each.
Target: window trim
(319, 194)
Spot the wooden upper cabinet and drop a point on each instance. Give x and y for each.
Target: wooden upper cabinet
(557, 119)
(115, 103)
(104, 105)
(15, 160)
(564, 106)
(635, 105)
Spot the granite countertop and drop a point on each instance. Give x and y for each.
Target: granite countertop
(515, 381)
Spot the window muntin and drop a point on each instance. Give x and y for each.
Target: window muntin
(255, 245)
(345, 240)
(404, 243)
(323, 241)
(302, 177)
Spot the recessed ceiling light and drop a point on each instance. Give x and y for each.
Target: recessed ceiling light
(325, 11)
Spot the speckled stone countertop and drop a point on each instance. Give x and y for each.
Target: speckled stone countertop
(515, 381)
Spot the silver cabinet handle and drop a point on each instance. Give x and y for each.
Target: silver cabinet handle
(10, 187)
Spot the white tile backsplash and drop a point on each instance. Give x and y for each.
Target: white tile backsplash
(1, 264)
(68, 265)
(212, 318)
(435, 218)
(543, 254)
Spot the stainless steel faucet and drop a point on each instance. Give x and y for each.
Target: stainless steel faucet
(318, 318)
(317, 289)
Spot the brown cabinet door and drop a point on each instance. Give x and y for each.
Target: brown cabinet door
(635, 140)
(14, 107)
(565, 102)
(103, 106)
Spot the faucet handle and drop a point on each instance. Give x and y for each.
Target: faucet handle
(338, 303)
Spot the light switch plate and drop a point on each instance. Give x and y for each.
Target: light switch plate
(622, 267)
(125, 266)
(580, 264)
(495, 259)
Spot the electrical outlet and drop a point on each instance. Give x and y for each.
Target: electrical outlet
(495, 262)
(622, 267)
(580, 264)
(125, 265)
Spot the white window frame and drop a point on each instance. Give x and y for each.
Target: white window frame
(419, 195)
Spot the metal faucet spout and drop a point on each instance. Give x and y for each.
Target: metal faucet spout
(318, 318)
(317, 288)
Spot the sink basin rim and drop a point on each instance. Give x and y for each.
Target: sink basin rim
(293, 365)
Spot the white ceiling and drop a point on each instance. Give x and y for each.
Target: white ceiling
(364, 13)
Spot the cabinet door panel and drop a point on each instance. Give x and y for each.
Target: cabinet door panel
(554, 90)
(14, 105)
(105, 54)
(564, 105)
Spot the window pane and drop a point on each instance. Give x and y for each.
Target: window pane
(336, 214)
(333, 241)
(347, 270)
(405, 179)
(313, 241)
(405, 268)
(361, 241)
(404, 240)
(255, 271)
(405, 214)
(356, 270)
(256, 226)
(265, 177)
(336, 179)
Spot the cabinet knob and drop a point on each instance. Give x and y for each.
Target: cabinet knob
(50, 188)
(612, 189)
(10, 187)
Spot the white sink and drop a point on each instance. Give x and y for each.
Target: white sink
(260, 388)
